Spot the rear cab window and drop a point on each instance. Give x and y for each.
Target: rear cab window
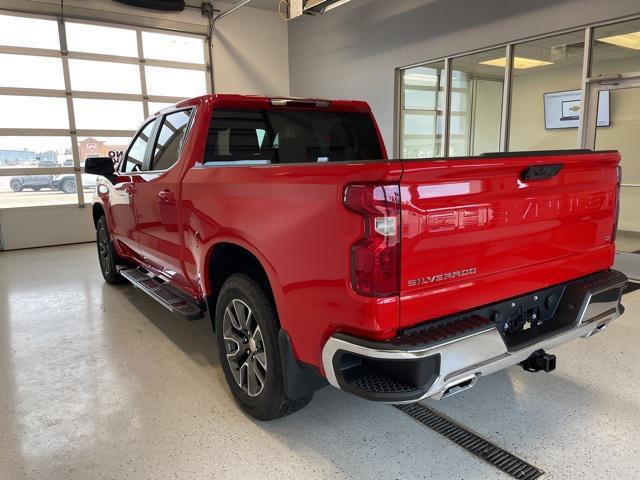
(261, 137)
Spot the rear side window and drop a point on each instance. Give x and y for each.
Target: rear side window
(290, 136)
(135, 155)
(171, 136)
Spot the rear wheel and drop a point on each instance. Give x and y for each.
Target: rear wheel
(16, 185)
(68, 185)
(247, 334)
(107, 255)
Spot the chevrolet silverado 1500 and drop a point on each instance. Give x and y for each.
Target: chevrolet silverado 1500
(319, 260)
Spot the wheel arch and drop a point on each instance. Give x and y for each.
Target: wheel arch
(98, 211)
(227, 258)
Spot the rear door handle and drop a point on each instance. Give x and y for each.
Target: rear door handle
(166, 196)
(540, 172)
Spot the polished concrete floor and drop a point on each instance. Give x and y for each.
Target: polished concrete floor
(100, 382)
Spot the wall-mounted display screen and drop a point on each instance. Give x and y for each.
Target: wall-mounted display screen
(562, 109)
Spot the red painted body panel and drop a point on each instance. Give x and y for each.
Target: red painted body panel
(456, 215)
(497, 236)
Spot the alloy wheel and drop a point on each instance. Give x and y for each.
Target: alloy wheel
(69, 186)
(244, 347)
(104, 253)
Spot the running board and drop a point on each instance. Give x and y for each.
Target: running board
(165, 294)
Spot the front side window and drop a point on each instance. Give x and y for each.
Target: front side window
(135, 156)
(170, 139)
(290, 136)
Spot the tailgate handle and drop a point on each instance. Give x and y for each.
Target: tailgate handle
(541, 172)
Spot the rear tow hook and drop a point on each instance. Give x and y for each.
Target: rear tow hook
(539, 360)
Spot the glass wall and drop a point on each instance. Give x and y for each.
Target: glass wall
(616, 48)
(41, 155)
(423, 111)
(545, 85)
(477, 84)
(546, 92)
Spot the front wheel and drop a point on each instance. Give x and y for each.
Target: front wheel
(107, 254)
(247, 333)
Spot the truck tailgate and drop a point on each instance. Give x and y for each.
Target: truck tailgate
(479, 230)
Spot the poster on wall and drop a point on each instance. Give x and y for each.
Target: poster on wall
(562, 109)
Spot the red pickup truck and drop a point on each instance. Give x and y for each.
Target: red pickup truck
(319, 260)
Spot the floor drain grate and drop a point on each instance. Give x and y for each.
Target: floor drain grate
(485, 450)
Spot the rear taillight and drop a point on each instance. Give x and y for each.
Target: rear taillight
(375, 260)
(616, 214)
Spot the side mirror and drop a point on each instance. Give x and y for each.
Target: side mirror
(99, 166)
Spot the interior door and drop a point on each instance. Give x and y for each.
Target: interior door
(157, 200)
(613, 123)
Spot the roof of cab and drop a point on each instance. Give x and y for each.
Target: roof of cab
(227, 100)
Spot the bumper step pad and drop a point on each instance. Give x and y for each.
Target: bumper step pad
(165, 294)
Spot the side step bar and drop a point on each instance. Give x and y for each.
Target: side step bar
(165, 294)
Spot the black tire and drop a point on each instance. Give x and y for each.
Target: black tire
(107, 255)
(68, 185)
(271, 401)
(16, 185)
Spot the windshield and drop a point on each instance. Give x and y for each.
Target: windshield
(290, 136)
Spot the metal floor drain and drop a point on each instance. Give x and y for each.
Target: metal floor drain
(483, 449)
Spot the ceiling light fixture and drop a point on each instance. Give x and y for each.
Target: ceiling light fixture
(519, 63)
(627, 40)
(334, 5)
(322, 6)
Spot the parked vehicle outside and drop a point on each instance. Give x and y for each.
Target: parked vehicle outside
(67, 182)
(320, 261)
(33, 182)
(47, 163)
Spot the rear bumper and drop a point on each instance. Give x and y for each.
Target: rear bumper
(448, 356)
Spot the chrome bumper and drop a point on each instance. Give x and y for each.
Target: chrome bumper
(464, 358)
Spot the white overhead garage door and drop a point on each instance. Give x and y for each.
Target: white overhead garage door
(72, 89)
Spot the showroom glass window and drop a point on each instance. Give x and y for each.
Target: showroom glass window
(616, 48)
(104, 75)
(477, 83)
(422, 111)
(545, 93)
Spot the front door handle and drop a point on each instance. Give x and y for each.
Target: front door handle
(166, 196)
(128, 188)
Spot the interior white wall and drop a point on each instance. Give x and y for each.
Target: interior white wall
(351, 52)
(250, 53)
